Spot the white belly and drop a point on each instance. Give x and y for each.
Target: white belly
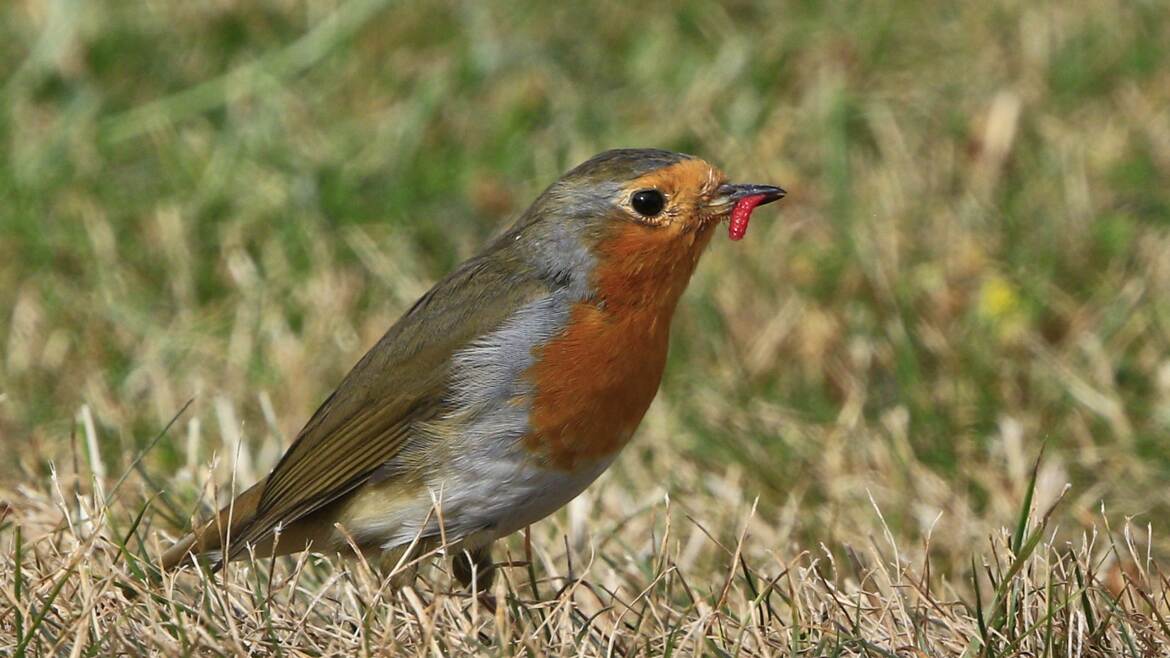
(503, 497)
(481, 500)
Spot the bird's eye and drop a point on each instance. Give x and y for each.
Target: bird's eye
(648, 203)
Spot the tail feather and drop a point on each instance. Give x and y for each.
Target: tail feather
(209, 539)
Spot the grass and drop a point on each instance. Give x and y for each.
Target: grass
(228, 203)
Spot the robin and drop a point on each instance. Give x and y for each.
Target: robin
(508, 387)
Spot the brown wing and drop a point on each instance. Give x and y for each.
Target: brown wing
(402, 381)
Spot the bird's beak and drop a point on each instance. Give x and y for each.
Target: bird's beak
(728, 194)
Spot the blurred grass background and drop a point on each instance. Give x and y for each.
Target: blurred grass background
(231, 201)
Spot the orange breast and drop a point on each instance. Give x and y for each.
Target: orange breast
(594, 382)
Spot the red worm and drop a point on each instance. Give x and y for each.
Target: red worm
(741, 214)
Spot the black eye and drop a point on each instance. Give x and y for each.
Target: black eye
(648, 203)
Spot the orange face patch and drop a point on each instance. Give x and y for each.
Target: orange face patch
(687, 185)
(595, 380)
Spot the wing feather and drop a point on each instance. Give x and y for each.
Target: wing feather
(401, 382)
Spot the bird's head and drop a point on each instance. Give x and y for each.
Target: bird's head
(673, 192)
(642, 211)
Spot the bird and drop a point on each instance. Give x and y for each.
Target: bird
(506, 389)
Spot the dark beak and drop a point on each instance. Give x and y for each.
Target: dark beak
(728, 194)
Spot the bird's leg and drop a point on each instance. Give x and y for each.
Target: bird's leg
(476, 563)
(387, 561)
(476, 566)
